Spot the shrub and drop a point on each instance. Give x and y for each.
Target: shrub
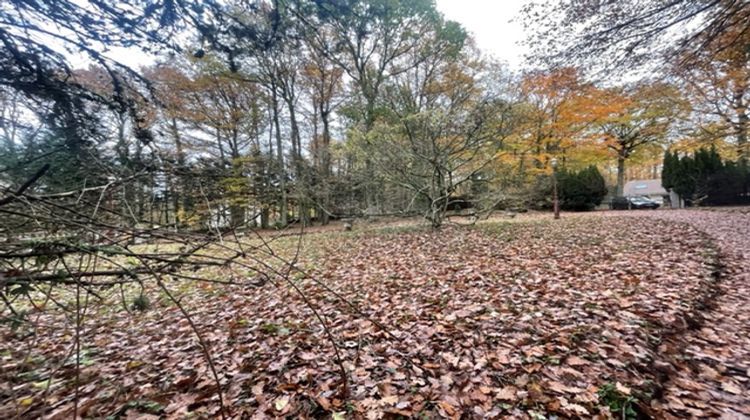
(581, 191)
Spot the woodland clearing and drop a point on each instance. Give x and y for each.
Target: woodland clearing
(611, 313)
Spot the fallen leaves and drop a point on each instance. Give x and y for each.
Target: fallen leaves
(507, 393)
(731, 387)
(709, 364)
(622, 389)
(281, 403)
(506, 320)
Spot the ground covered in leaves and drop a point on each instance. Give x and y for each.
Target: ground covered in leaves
(587, 316)
(708, 368)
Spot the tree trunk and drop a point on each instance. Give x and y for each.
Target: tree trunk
(325, 163)
(369, 169)
(237, 215)
(184, 197)
(280, 156)
(128, 196)
(620, 175)
(304, 215)
(264, 218)
(743, 122)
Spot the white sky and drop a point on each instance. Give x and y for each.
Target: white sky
(489, 21)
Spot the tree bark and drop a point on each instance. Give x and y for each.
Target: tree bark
(304, 214)
(620, 175)
(325, 162)
(283, 221)
(743, 122)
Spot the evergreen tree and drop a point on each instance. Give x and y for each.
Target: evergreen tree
(595, 182)
(704, 179)
(707, 164)
(669, 168)
(684, 177)
(581, 191)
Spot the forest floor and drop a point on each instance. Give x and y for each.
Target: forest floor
(709, 366)
(606, 314)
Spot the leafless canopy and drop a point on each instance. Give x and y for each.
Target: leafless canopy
(620, 35)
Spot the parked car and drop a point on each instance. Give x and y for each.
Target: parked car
(636, 202)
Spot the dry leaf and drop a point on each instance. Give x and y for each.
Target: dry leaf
(281, 403)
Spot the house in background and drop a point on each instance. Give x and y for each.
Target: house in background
(652, 189)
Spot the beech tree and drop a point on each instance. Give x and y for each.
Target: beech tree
(643, 115)
(559, 110)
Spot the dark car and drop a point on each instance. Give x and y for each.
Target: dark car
(637, 202)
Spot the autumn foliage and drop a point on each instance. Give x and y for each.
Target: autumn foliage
(340, 209)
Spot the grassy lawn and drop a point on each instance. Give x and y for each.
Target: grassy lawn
(525, 317)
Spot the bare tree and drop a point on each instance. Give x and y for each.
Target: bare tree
(444, 129)
(626, 34)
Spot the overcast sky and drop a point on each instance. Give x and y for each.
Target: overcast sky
(490, 23)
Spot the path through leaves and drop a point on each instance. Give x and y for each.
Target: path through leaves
(709, 371)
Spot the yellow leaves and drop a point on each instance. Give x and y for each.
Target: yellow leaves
(281, 403)
(134, 364)
(727, 150)
(561, 114)
(555, 84)
(565, 116)
(453, 78)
